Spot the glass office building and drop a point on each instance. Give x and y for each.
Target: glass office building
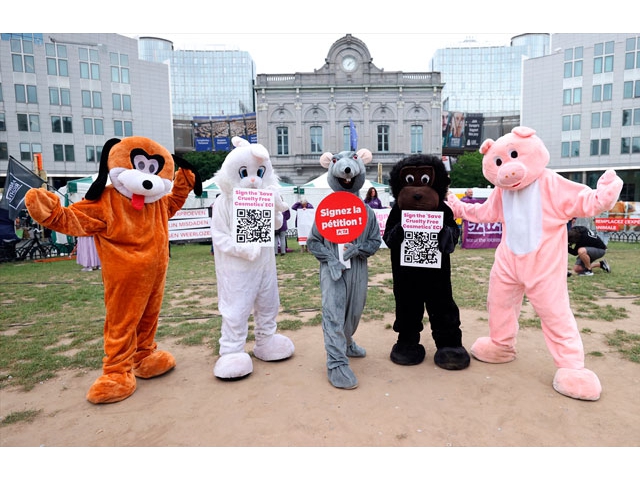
(486, 79)
(204, 83)
(63, 95)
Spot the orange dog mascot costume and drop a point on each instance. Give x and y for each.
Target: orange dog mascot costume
(129, 220)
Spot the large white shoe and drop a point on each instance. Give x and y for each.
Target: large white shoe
(275, 347)
(233, 365)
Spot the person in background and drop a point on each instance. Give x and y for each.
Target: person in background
(87, 255)
(372, 199)
(588, 248)
(302, 229)
(281, 234)
(468, 196)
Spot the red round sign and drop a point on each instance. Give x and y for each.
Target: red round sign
(341, 217)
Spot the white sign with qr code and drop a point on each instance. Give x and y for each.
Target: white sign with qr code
(420, 245)
(253, 217)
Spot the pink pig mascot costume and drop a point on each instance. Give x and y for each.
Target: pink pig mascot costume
(534, 204)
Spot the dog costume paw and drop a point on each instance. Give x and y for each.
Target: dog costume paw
(112, 387)
(154, 365)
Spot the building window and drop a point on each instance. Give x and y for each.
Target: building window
(631, 89)
(119, 67)
(57, 63)
(573, 62)
(59, 96)
(25, 152)
(121, 102)
(627, 117)
(602, 93)
(282, 137)
(93, 126)
(566, 123)
(3, 122)
(572, 96)
(122, 128)
(61, 124)
(416, 138)
(625, 145)
(63, 153)
(93, 153)
(316, 139)
(575, 149)
(383, 138)
(26, 93)
(603, 57)
(632, 53)
(600, 147)
(89, 63)
(636, 116)
(28, 123)
(4, 151)
(91, 99)
(635, 145)
(22, 55)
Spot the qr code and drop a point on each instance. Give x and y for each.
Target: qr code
(421, 248)
(254, 226)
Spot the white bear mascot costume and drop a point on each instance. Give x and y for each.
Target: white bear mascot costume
(246, 274)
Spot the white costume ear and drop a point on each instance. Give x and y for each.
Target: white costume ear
(365, 155)
(325, 159)
(239, 142)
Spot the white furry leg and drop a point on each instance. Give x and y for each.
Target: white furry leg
(274, 347)
(233, 365)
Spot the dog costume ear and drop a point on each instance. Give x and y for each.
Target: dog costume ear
(182, 163)
(97, 187)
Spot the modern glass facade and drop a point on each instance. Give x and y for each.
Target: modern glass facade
(486, 79)
(204, 82)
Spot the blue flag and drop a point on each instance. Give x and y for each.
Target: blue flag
(353, 136)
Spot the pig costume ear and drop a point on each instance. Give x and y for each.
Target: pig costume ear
(486, 145)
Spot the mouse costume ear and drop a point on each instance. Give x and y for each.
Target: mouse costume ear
(97, 187)
(182, 163)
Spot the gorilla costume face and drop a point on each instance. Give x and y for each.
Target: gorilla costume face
(419, 182)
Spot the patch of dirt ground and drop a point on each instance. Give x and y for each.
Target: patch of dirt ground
(291, 403)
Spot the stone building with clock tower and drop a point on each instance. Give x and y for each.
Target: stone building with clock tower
(299, 116)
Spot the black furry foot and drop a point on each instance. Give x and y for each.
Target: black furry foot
(407, 354)
(452, 358)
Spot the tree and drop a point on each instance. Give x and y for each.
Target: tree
(206, 163)
(467, 171)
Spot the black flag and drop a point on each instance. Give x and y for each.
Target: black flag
(19, 180)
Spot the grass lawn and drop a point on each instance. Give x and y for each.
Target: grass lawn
(52, 314)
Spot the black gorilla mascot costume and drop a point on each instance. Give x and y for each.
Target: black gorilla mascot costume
(420, 182)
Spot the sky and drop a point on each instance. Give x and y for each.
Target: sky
(304, 52)
(288, 36)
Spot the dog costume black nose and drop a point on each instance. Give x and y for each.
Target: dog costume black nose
(147, 184)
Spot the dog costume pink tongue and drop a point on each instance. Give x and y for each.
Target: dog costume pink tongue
(137, 201)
